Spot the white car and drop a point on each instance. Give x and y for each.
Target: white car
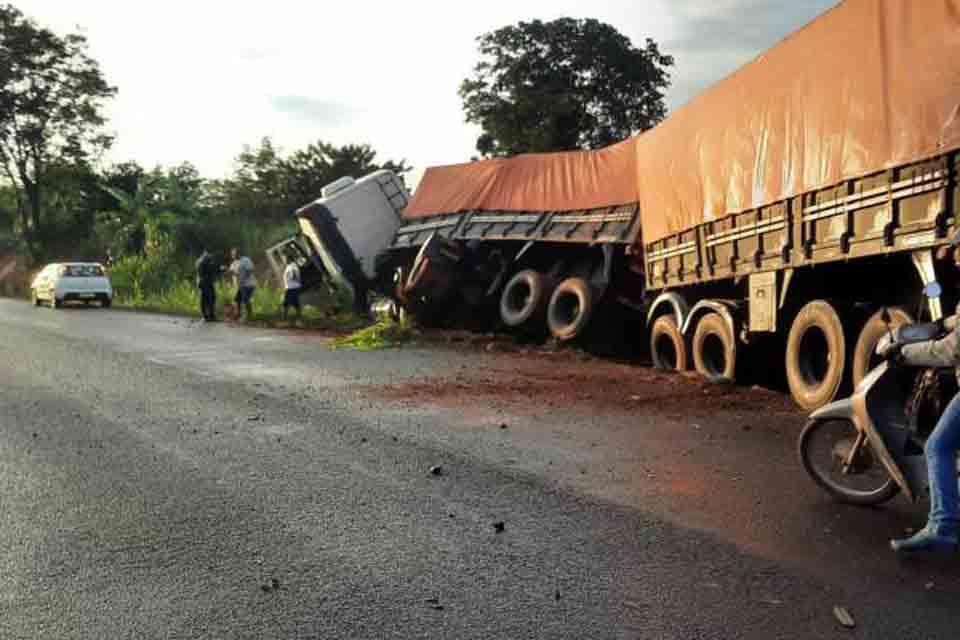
(63, 282)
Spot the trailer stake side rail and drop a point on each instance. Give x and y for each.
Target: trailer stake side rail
(609, 225)
(901, 209)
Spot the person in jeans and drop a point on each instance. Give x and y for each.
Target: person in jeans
(943, 522)
(246, 281)
(291, 286)
(206, 281)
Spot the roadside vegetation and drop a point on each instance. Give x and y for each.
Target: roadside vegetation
(58, 202)
(385, 333)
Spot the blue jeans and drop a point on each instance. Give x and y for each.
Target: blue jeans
(941, 451)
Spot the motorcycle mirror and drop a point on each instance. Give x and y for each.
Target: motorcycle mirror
(933, 289)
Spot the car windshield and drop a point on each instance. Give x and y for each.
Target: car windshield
(81, 271)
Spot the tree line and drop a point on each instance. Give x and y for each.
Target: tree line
(539, 86)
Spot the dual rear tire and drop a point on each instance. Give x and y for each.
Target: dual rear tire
(523, 303)
(713, 348)
(816, 355)
(817, 358)
(668, 349)
(530, 301)
(571, 308)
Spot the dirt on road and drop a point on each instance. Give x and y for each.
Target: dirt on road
(569, 379)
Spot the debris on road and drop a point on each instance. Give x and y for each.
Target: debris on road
(254, 418)
(499, 527)
(503, 425)
(273, 585)
(436, 470)
(843, 616)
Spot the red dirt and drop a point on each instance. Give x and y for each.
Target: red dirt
(568, 380)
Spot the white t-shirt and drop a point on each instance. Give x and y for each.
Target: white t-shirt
(291, 276)
(242, 268)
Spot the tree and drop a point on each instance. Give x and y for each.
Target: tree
(51, 96)
(267, 184)
(317, 165)
(563, 85)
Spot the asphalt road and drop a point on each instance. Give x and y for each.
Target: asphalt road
(161, 478)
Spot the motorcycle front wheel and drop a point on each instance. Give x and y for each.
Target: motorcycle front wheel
(826, 447)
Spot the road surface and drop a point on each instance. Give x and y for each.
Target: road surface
(161, 478)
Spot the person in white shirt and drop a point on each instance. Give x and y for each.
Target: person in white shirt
(242, 270)
(292, 286)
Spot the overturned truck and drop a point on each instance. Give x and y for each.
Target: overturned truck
(760, 229)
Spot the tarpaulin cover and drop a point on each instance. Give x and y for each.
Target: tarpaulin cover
(531, 182)
(869, 85)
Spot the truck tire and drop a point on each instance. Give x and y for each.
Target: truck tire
(570, 308)
(524, 298)
(667, 346)
(715, 349)
(816, 355)
(864, 358)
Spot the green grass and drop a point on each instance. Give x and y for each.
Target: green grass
(183, 298)
(383, 334)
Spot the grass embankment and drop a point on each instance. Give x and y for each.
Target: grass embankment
(183, 299)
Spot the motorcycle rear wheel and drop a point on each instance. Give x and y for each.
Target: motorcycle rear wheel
(824, 444)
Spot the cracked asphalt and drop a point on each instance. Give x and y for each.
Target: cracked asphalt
(161, 478)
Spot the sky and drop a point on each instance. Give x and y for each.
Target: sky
(199, 80)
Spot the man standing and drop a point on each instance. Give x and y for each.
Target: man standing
(206, 279)
(292, 286)
(246, 281)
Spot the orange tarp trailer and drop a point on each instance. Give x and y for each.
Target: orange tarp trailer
(869, 85)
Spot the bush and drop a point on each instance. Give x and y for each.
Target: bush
(140, 277)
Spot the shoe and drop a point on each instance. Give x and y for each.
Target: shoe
(929, 539)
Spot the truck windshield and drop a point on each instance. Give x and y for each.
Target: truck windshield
(81, 271)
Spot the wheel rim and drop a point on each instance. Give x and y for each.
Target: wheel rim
(828, 447)
(713, 354)
(666, 351)
(814, 357)
(519, 297)
(567, 308)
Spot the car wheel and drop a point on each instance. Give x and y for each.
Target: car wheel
(106, 302)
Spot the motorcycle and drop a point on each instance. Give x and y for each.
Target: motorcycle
(867, 448)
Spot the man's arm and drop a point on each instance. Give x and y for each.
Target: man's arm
(934, 353)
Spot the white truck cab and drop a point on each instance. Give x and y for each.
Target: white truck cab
(351, 223)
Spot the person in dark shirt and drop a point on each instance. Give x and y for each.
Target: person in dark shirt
(206, 279)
